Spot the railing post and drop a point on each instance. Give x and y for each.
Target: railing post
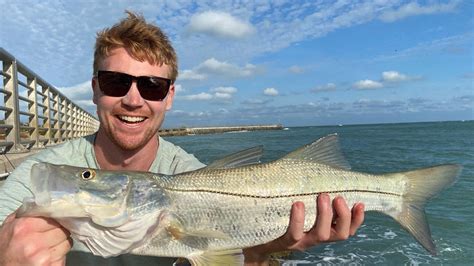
(57, 125)
(33, 109)
(77, 122)
(47, 113)
(64, 118)
(12, 117)
(70, 120)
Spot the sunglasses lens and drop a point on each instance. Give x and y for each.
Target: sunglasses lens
(153, 88)
(113, 83)
(118, 84)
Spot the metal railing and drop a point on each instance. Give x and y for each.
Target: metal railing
(35, 114)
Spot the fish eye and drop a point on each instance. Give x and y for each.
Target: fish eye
(88, 174)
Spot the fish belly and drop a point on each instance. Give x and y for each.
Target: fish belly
(212, 221)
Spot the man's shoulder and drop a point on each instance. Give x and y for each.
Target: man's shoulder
(67, 152)
(172, 159)
(169, 147)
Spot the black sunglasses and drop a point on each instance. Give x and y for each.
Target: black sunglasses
(117, 84)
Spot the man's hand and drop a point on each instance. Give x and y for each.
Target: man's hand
(333, 223)
(33, 241)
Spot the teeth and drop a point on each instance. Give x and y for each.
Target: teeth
(131, 119)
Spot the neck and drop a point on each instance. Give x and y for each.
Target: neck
(112, 157)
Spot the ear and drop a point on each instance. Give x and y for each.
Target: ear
(169, 98)
(95, 90)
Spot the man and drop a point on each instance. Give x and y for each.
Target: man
(135, 68)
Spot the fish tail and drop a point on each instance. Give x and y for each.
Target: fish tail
(423, 184)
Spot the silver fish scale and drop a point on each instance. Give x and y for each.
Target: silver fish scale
(283, 177)
(247, 206)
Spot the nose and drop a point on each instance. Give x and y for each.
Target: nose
(133, 97)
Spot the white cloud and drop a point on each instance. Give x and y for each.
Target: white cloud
(270, 92)
(228, 90)
(393, 76)
(326, 87)
(203, 96)
(216, 68)
(222, 94)
(413, 9)
(220, 24)
(388, 78)
(191, 75)
(368, 84)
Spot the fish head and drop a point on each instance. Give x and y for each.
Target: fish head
(62, 191)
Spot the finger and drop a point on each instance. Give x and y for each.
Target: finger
(296, 225)
(357, 217)
(321, 231)
(343, 219)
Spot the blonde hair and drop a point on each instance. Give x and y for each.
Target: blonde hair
(144, 41)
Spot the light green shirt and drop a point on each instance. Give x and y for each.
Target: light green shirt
(170, 159)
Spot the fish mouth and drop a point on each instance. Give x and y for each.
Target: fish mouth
(48, 184)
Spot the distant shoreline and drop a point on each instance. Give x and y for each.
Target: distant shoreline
(185, 131)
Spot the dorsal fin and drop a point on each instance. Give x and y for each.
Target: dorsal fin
(325, 150)
(241, 158)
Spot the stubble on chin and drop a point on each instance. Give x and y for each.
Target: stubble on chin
(131, 143)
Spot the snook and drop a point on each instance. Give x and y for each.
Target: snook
(208, 215)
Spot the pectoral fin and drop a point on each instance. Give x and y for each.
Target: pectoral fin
(177, 231)
(218, 258)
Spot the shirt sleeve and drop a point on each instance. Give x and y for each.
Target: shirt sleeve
(15, 188)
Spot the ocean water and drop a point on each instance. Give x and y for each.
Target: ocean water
(378, 148)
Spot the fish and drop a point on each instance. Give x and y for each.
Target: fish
(209, 215)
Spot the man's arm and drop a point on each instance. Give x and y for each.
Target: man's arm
(333, 223)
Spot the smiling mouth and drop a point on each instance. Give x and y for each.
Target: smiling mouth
(131, 119)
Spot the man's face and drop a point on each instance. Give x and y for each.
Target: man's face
(130, 121)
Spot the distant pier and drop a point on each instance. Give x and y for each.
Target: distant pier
(213, 130)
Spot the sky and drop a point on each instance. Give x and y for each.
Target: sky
(297, 63)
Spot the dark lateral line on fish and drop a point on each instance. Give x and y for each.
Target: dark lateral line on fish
(285, 196)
